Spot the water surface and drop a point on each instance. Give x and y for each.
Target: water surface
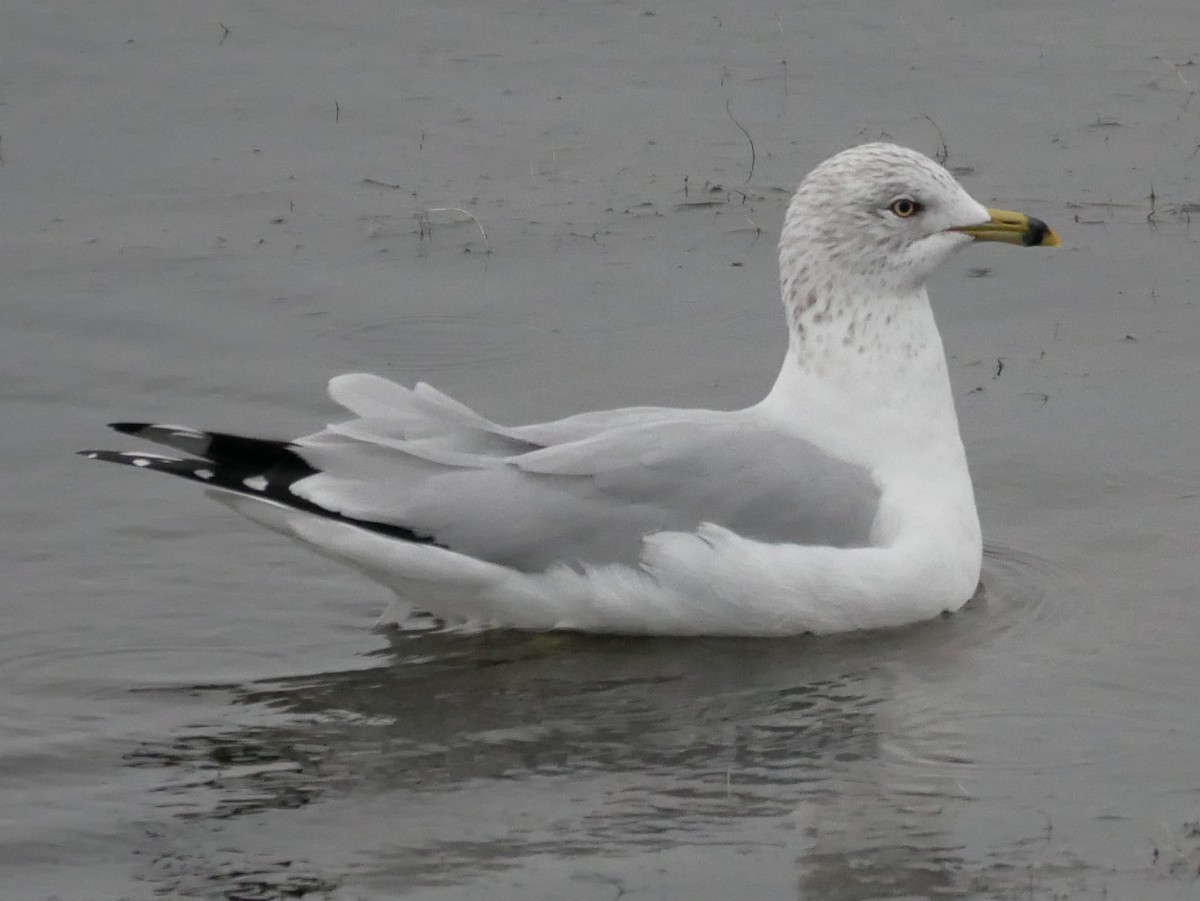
(210, 209)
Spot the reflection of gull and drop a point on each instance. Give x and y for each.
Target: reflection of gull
(663, 764)
(840, 501)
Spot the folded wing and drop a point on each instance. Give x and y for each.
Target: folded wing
(418, 465)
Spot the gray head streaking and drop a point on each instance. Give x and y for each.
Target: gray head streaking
(840, 501)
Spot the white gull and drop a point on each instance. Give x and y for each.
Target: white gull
(841, 501)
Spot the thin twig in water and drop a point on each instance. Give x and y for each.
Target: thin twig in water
(337, 111)
(749, 174)
(382, 184)
(487, 248)
(943, 151)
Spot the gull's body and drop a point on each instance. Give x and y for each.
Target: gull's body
(841, 501)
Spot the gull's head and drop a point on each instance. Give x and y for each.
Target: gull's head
(890, 216)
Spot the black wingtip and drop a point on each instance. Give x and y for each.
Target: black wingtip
(128, 428)
(129, 458)
(241, 476)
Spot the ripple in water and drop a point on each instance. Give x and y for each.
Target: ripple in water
(685, 738)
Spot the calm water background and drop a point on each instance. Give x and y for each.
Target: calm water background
(207, 209)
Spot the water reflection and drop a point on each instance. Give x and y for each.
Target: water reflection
(452, 756)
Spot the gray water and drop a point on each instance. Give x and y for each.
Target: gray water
(207, 209)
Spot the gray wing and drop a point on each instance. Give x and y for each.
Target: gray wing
(581, 490)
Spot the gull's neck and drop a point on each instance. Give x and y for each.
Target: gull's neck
(865, 372)
(866, 381)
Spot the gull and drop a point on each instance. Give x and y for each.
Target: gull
(841, 501)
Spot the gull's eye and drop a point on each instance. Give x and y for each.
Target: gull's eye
(905, 207)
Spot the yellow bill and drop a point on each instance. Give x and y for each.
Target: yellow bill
(1012, 228)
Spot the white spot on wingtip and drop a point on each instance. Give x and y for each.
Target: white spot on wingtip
(141, 461)
(203, 473)
(179, 431)
(255, 483)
